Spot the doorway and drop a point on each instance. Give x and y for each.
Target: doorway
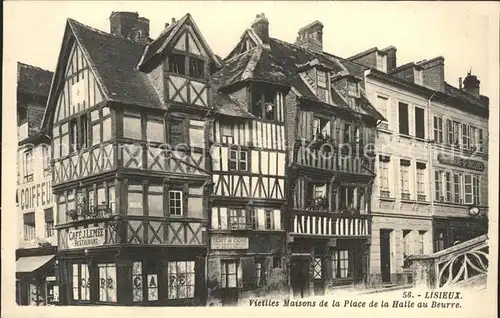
(299, 277)
(385, 255)
(229, 283)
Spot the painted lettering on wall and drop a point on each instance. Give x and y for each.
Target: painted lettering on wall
(86, 237)
(229, 243)
(36, 196)
(461, 162)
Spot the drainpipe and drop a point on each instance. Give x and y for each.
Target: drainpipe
(431, 173)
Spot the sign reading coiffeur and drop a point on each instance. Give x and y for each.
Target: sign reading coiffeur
(86, 237)
(36, 196)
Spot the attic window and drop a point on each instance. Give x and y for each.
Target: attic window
(196, 68)
(352, 89)
(264, 103)
(381, 62)
(321, 127)
(177, 64)
(321, 76)
(418, 77)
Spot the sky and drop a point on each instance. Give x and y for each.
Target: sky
(460, 32)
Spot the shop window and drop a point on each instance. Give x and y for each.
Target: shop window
(229, 277)
(81, 282)
(29, 226)
(137, 282)
(175, 202)
(152, 287)
(177, 64)
(181, 277)
(107, 282)
(132, 126)
(155, 131)
(135, 200)
(340, 264)
(238, 160)
(237, 219)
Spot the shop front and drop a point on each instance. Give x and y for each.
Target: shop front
(36, 277)
(449, 231)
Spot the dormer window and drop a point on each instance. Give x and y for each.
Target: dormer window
(196, 68)
(177, 64)
(353, 89)
(264, 104)
(381, 62)
(322, 81)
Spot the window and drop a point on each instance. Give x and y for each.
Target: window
(137, 281)
(155, 131)
(238, 160)
(480, 140)
(381, 62)
(438, 129)
(383, 171)
(419, 79)
(340, 264)
(196, 68)
(253, 219)
(421, 237)
(456, 134)
(229, 277)
(175, 201)
(404, 176)
(28, 166)
(264, 103)
(438, 186)
(96, 134)
(196, 133)
(277, 262)
(383, 107)
(155, 200)
(321, 126)
(404, 127)
(132, 127)
(318, 268)
(83, 136)
(29, 226)
(448, 186)
(473, 138)
(180, 279)
(421, 181)
(269, 219)
(465, 136)
(468, 191)
(319, 190)
(419, 123)
(321, 75)
(475, 190)
(258, 273)
(352, 89)
(46, 159)
(237, 219)
(449, 126)
(176, 131)
(406, 243)
(457, 188)
(73, 135)
(81, 282)
(49, 222)
(135, 200)
(107, 282)
(347, 133)
(177, 64)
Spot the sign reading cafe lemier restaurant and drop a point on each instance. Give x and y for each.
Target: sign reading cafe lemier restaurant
(86, 237)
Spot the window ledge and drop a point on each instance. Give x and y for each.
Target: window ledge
(387, 199)
(405, 136)
(423, 202)
(408, 201)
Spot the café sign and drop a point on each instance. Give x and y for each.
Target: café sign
(88, 237)
(461, 162)
(229, 243)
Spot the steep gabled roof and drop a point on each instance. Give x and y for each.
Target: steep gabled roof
(33, 80)
(281, 64)
(159, 45)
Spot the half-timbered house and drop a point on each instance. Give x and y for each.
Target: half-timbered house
(127, 115)
(293, 111)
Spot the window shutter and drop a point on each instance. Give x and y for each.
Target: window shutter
(248, 270)
(29, 218)
(176, 135)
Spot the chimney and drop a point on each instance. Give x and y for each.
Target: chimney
(471, 84)
(391, 58)
(460, 83)
(130, 26)
(261, 26)
(311, 37)
(433, 73)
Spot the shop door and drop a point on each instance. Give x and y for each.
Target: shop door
(299, 277)
(385, 255)
(229, 283)
(319, 276)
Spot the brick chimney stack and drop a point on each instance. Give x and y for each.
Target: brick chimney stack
(311, 37)
(261, 26)
(391, 57)
(471, 84)
(130, 26)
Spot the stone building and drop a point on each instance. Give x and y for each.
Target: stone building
(414, 208)
(37, 243)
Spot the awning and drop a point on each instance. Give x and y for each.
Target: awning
(30, 264)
